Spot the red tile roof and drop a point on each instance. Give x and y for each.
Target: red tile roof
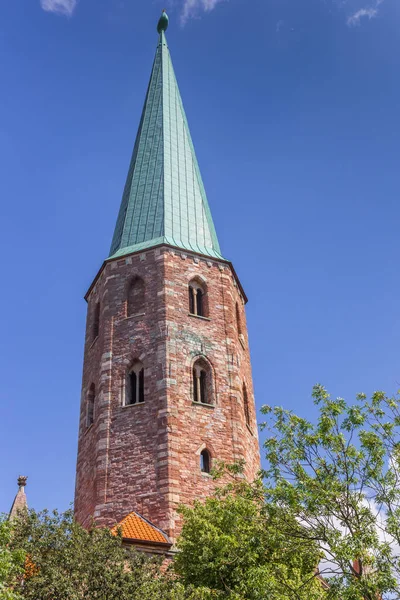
(135, 527)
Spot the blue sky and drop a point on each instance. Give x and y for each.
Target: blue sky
(294, 110)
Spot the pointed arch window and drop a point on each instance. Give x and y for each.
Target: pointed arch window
(205, 461)
(135, 297)
(90, 405)
(246, 407)
(96, 321)
(135, 385)
(197, 299)
(202, 382)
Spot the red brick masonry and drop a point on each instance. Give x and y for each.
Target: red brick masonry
(145, 457)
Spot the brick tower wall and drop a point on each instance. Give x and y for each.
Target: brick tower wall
(146, 457)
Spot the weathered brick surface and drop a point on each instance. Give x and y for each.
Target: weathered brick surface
(146, 457)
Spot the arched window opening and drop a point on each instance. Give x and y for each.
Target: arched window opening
(96, 321)
(90, 406)
(197, 299)
(246, 405)
(192, 301)
(238, 320)
(205, 462)
(199, 303)
(135, 385)
(136, 297)
(202, 383)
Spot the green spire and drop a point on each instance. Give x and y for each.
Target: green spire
(164, 200)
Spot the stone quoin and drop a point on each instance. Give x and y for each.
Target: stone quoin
(167, 386)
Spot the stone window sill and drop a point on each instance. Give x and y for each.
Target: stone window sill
(241, 339)
(94, 341)
(131, 317)
(133, 405)
(206, 475)
(203, 404)
(199, 317)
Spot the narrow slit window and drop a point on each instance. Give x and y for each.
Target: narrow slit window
(199, 303)
(141, 385)
(203, 387)
(196, 396)
(133, 387)
(191, 301)
(205, 462)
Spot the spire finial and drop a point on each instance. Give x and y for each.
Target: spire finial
(22, 481)
(163, 22)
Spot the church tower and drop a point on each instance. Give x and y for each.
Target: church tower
(167, 387)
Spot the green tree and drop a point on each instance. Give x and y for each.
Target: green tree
(340, 478)
(67, 562)
(11, 563)
(233, 546)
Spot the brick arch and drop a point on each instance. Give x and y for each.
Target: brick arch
(195, 356)
(138, 357)
(130, 358)
(206, 446)
(195, 276)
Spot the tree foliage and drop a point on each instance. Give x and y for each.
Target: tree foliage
(340, 478)
(67, 562)
(233, 546)
(331, 496)
(11, 563)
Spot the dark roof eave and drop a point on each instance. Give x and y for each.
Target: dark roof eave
(134, 541)
(223, 260)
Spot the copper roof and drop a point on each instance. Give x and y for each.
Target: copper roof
(164, 200)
